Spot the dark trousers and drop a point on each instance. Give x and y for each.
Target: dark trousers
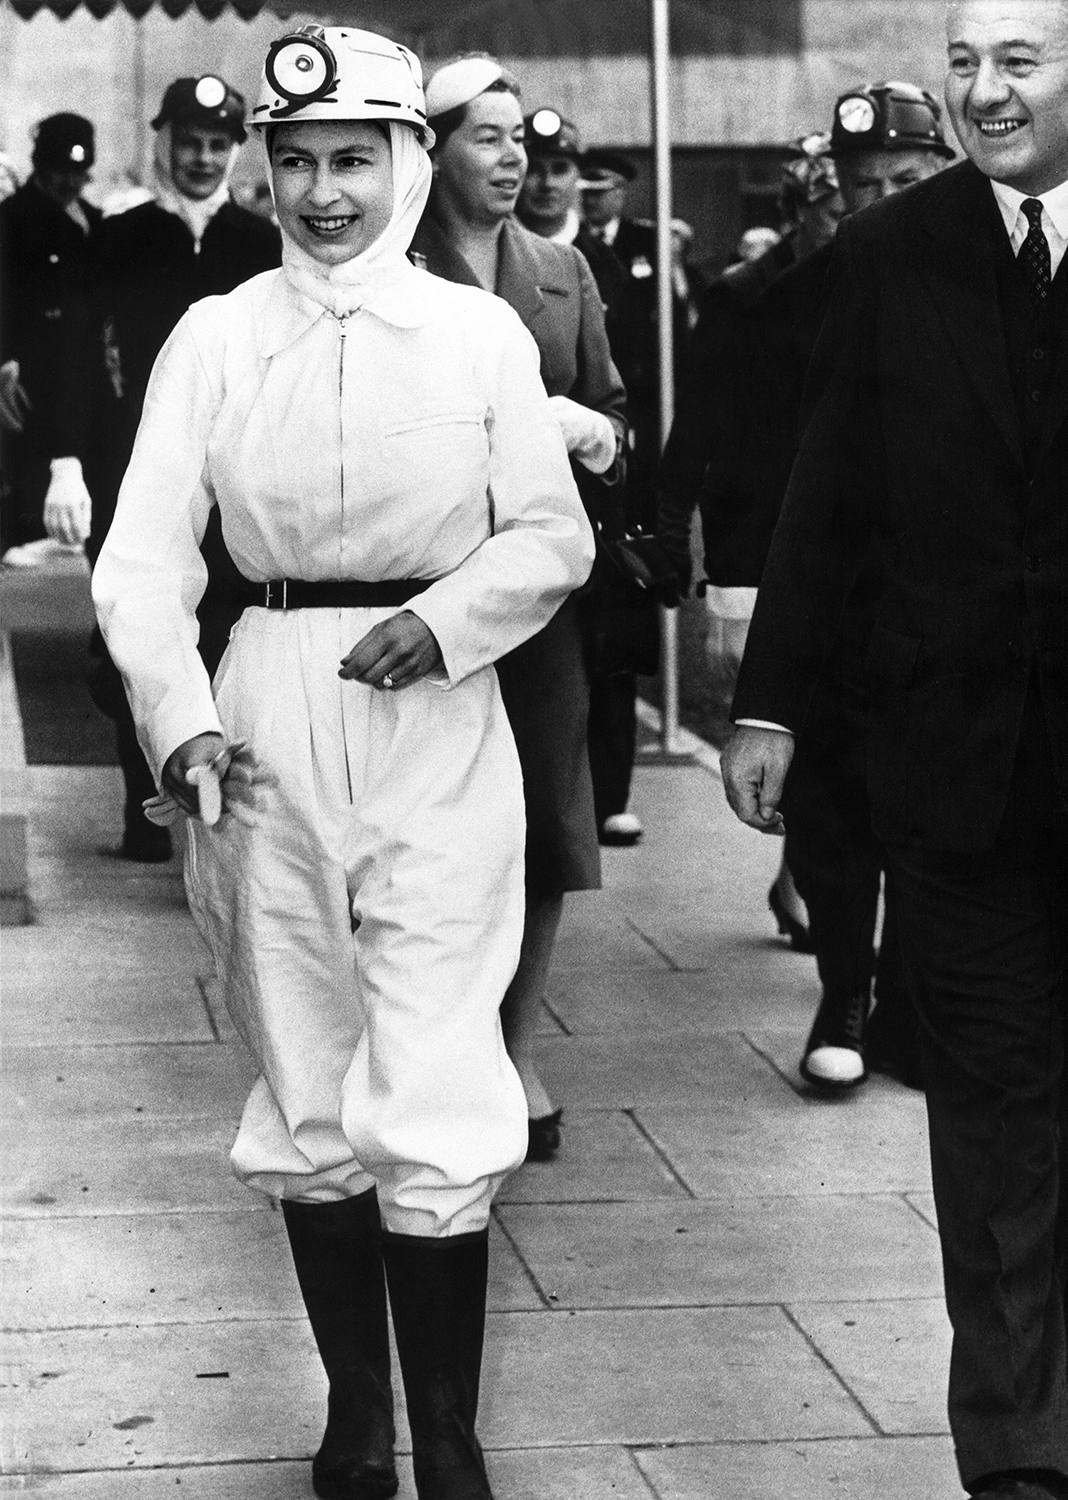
(983, 939)
(613, 736)
(837, 862)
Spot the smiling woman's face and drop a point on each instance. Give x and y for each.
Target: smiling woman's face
(480, 168)
(333, 185)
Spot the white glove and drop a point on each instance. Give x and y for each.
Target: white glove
(68, 509)
(588, 435)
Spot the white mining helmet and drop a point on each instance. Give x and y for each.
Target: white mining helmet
(340, 73)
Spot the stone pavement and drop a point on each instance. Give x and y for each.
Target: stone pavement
(722, 1290)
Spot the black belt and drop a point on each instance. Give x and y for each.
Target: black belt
(332, 593)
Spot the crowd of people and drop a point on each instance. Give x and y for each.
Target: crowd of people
(354, 477)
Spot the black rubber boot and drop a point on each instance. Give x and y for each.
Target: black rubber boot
(437, 1294)
(337, 1252)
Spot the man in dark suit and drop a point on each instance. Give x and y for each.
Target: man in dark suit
(938, 433)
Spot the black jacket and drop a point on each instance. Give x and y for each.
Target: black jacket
(47, 268)
(150, 274)
(915, 441)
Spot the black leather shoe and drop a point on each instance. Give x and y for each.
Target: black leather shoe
(790, 927)
(543, 1137)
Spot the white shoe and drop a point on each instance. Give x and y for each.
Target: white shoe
(838, 1066)
(621, 829)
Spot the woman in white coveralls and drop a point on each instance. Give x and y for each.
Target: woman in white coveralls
(392, 482)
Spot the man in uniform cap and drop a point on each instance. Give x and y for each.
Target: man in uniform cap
(731, 451)
(936, 435)
(190, 241)
(47, 242)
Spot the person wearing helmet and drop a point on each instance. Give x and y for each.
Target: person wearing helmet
(156, 259)
(884, 138)
(393, 486)
(470, 235)
(731, 450)
(48, 242)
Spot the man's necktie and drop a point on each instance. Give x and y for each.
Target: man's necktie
(1034, 253)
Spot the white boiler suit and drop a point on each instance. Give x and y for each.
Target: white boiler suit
(366, 921)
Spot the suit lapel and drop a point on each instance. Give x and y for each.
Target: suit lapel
(518, 278)
(957, 262)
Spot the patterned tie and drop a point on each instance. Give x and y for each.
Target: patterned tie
(1034, 253)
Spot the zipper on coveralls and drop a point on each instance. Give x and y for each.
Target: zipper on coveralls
(342, 324)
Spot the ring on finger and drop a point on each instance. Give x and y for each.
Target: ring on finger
(387, 681)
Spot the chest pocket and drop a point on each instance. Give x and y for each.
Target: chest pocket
(435, 419)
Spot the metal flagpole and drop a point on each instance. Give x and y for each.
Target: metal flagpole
(669, 648)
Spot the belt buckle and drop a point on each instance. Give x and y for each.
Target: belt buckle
(277, 593)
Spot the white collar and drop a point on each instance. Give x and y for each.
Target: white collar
(1055, 204)
(568, 231)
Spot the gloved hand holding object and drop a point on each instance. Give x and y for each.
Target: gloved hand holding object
(204, 778)
(588, 435)
(68, 508)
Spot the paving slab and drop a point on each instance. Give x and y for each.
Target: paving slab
(735, 1251)
(850, 1469)
(604, 1157)
(86, 1083)
(594, 932)
(664, 1376)
(873, 1143)
(739, 992)
(122, 1167)
(141, 1006)
(177, 1268)
(893, 1355)
(611, 1073)
(232, 1392)
(531, 1474)
(278, 1480)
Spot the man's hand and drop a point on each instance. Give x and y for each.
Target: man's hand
(14, 402)
(394, 654)
(754, 766)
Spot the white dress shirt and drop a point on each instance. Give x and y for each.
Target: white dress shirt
(1054, 218)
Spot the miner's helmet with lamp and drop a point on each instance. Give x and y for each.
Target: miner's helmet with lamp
(208, 102)
(888, 117)
(341, 73)
(547, 133)
(64, 143)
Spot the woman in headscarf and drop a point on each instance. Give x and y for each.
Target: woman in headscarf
(392, 481)
(469, 234)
